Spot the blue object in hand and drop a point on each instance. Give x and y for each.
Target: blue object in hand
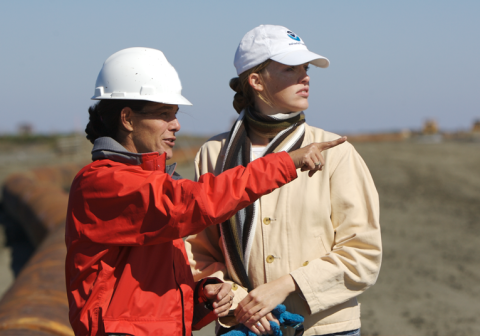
(275, 328)
(285, 318)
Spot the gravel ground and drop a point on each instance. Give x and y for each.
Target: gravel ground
(430, 217)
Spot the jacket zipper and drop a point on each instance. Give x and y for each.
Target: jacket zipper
(181, 297)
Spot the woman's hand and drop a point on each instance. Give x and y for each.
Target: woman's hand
(221, 297)
(310, 157)
(263, 326)
(263, 299)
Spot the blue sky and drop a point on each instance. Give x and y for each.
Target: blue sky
(393, 63)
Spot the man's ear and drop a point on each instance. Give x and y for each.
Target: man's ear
(255, 81)
(126, 119)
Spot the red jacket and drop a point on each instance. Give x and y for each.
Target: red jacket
(126, 266)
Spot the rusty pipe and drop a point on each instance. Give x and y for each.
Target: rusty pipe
(37, 303)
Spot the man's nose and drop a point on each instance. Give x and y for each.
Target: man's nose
(174, 125)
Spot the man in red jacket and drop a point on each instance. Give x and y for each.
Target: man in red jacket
(126, 266)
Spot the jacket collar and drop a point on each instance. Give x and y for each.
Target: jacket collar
(108, 148)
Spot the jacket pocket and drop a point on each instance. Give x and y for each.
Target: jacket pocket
(319, 236)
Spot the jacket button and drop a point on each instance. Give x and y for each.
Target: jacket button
(234, 286)
(270, 259)
(266, 221)
(305, 263)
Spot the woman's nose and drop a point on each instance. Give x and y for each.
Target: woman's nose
(305, 78)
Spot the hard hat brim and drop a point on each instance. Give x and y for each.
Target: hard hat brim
(172, 99)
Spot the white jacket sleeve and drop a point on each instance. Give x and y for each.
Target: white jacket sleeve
(206, 256)
(353, 263)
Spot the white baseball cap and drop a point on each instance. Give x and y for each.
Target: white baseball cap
(277, 43)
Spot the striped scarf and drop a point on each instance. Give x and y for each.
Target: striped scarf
(287, 131)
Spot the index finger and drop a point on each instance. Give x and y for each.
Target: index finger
(333, 143)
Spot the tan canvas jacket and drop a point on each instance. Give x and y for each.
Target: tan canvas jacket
(323, 230)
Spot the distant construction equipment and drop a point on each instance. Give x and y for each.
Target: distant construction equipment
(476, 127)
(430, 127)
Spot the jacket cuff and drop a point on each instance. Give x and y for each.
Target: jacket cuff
(312, 291)
(230, 320)
(290, 166)
(202, 310)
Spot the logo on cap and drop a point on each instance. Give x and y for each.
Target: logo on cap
(293, 36)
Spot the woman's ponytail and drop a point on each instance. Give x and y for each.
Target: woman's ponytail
(239, 102)
(245, 94)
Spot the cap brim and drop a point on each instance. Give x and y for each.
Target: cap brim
(298, 57)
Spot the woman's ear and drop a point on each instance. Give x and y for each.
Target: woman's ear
(255, 81)
(126, 119)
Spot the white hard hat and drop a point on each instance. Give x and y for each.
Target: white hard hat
(139, 74)
(276, 43)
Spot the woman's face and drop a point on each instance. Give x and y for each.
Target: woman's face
(287, 87)
(154, 129)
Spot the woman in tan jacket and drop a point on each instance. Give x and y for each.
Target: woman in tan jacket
(313, 244)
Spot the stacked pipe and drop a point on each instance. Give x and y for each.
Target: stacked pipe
(37, 304)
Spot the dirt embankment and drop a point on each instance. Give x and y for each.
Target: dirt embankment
(430, 217)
